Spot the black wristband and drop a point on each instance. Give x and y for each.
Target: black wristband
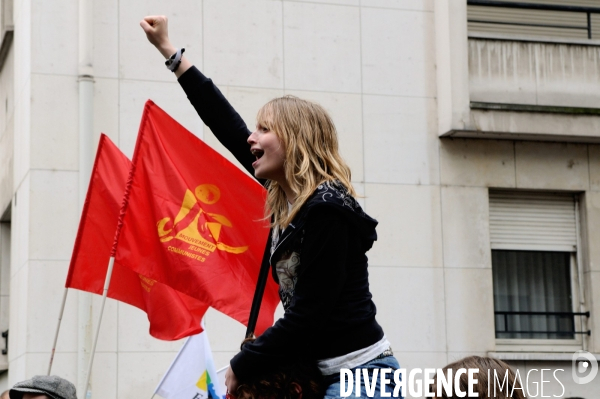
(175, 60)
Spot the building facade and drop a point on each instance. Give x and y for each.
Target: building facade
(473, 138)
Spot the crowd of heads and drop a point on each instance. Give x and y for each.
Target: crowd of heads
(301, 380)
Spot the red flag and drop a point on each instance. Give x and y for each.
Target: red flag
(172, 315)
(194, 221)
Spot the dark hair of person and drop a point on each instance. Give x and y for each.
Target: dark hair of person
(299, 380)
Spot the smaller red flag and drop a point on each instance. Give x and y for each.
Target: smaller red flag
(172, 314)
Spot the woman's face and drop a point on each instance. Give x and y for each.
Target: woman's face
(269, 152)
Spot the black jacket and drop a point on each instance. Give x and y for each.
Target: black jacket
(319, 260)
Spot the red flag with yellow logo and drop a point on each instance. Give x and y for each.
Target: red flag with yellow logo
(172, 315)
(194, 221)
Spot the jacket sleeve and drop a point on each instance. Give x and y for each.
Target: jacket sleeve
(323, 275)
(216, 112)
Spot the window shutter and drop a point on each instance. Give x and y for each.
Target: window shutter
(533, 221)
(539, 17)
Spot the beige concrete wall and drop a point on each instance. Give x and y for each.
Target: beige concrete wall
(513, 74)
(556, 74)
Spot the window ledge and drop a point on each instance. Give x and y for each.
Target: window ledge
(533, 39)
(549, 356)
(547, 109)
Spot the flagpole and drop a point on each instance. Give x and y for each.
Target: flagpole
(60, 315)
(111, 264)
(172, 363)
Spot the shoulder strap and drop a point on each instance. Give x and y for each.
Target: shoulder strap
(263, 275)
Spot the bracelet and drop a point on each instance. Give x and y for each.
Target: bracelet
(173, 62)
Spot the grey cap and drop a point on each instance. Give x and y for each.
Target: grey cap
(52, 386)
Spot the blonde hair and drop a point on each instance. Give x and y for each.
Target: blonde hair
(312, 157)
(497, 367)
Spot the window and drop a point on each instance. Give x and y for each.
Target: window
(534, 239)
(532, 294)
(544, 18)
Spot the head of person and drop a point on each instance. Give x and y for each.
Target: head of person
(300, 380)
(43, 387)
(495, 367)
(4, 395)
(296, 146)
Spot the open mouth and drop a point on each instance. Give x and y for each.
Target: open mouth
(257, 153)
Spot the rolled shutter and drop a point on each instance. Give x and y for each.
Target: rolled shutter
(537, 17)
(533, 221)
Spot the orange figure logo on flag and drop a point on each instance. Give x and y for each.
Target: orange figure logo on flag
(203, 232)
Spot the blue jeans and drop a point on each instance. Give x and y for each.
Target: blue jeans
(389, 362)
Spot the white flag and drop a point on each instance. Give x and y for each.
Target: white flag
(192, 374)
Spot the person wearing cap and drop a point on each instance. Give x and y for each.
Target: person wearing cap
(43, 387)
